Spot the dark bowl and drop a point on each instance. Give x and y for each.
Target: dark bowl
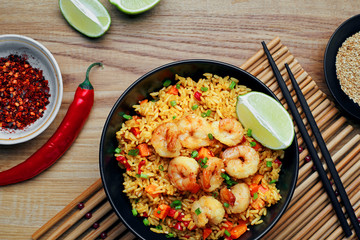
(111, 174)
(345, 30)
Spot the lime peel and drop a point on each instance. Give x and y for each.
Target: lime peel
(133, 7)
(269, 121)
(89, 17)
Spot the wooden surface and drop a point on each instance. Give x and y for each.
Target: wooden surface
(229, 31)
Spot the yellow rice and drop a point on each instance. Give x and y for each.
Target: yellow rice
(221, 100)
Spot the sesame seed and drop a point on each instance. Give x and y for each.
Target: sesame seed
(348, 67)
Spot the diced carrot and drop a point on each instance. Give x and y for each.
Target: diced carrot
(135, 130)
(238, 230)
(206, 233)
(150, 189)
(173, 90)
(258, 204)
(253, 188)
(144, 150)
(204, 152)
(257, 178)
(143, 101)
(162, 211)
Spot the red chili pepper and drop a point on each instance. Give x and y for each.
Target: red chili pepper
(135, 130)
(124, 162)
(178, 226)
(180, 217)
(186, 223)
(60, 141)
(142, 163)
(197, 95)
(172, 213)
(277, 161)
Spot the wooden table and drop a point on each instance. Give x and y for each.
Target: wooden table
(229, 31)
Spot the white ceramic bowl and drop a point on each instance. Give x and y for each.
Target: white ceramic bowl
(38, 57)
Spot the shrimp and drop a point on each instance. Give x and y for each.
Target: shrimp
(194, 132)
(241, 161)
(207, 210)
(211, 179)
(183, 172)
(238, 198)
(228, 131)
(165, 140)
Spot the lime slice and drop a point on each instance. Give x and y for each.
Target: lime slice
(134, 6)
(269, 121)
(89, 17)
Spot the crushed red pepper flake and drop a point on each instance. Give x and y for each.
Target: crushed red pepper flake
(24, 93)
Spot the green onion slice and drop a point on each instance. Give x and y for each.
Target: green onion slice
(167, 83)
(211, 137)
(161, 168)
(194, 154)
(128, 117)
(134, 212)
(204, 89)
(133, 152)
(197, 211)
(146, 222)
(173, 103)
(232, 85)
(194, 107)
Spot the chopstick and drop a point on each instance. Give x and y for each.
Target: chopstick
(326, 155)
(315, 158)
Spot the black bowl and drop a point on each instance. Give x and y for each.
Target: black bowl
(111, 174)
(345, 30)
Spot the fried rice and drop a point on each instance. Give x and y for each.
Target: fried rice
(146, 180)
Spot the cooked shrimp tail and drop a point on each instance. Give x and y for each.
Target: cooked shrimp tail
(241, 192)
(227, 196)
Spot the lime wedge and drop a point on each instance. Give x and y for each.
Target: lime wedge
(89, 17)
(134, 6)
(269, 121)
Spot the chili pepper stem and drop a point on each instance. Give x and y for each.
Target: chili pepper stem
(86, 84)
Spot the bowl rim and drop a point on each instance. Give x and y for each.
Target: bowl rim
(59, 82)
(332, 82)
(292, 185)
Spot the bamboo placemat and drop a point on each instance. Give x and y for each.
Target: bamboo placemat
(309, 215)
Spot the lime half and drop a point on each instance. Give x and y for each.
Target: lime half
(269, 121)
(89, 17)
(134, 6)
